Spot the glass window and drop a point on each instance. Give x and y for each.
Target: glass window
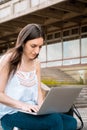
(54, 51)
(71, 62)
(66, 33)
(75, 31)
(84, 29)
(57, 35)
(84, 47)
(54, 63)
(42, 55)
(71, 49)
(50, 37)
(43, 65)
(83, 60)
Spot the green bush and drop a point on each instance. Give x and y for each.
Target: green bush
(50, 82)
(54, 83)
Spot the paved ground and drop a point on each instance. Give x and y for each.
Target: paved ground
(83, 112)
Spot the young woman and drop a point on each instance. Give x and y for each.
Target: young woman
(20, 86)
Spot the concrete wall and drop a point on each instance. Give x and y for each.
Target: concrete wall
(16, 8)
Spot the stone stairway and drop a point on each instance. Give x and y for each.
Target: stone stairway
(55, 73)
(60, 75)
(82, 98)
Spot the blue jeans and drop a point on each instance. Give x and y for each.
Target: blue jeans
(43, 122)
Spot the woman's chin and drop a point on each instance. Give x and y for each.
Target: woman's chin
(33, 57)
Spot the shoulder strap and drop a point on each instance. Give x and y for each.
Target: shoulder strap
(76, 112)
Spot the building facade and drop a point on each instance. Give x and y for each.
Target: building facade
(65, 23)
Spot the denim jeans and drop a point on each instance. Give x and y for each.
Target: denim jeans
(25, 121)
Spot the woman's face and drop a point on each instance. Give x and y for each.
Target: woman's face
(32, 48)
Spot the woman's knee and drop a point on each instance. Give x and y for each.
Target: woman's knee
(69, 122)
(56, 119)
(6, 124)
(73, 123)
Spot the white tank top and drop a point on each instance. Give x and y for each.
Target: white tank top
(21, 86)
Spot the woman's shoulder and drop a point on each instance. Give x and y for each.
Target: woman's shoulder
(5, 58)
(37, 62)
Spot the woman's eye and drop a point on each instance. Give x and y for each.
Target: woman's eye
(33, 46)
(40, 47)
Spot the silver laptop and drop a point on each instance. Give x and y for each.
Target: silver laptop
(59, 99)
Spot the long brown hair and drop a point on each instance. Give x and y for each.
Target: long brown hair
(29, 32)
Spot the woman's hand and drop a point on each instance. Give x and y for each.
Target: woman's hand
(30, 108)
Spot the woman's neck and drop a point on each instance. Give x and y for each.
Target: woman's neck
(26, 64)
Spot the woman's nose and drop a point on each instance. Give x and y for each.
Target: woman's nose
(37, 50)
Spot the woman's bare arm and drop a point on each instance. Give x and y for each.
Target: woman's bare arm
(4, 70)
(40, 95)
(5, 99)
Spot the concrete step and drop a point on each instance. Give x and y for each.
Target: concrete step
(57, 74)
(81, 101)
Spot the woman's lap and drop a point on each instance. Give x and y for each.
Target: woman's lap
(69, 122)
(44, 122)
